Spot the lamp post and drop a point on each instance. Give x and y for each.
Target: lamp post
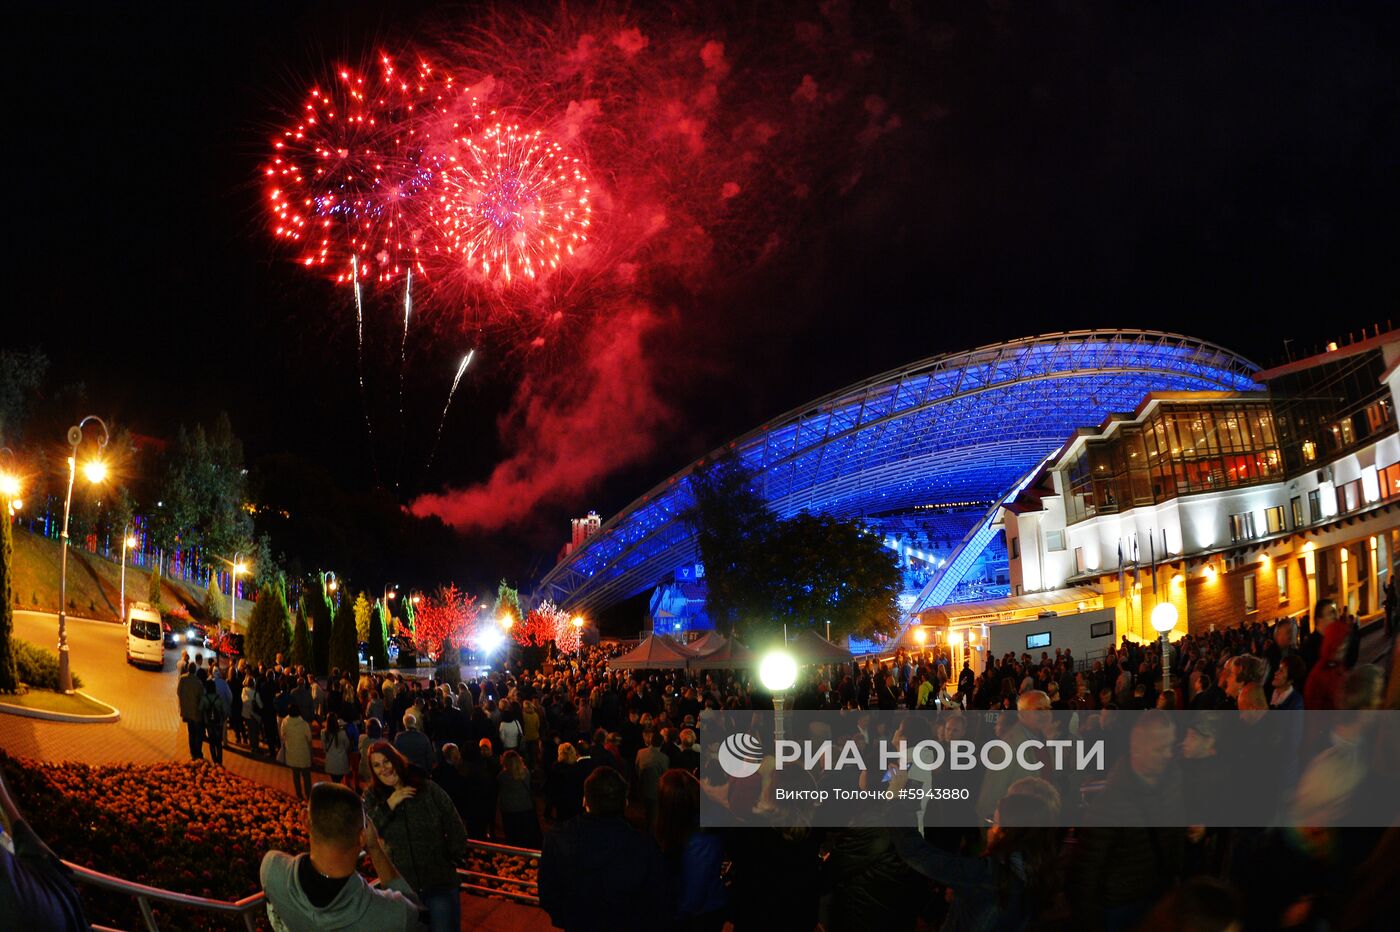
(128, 543)
(777, 672)
(921, 636)
(94, 471)
(577, 622)
(235, 566)
(1164, 617)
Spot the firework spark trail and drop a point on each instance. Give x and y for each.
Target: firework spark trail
(456, 380)
(360, 360)
(403, 364)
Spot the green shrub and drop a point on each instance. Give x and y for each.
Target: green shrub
(38, 666)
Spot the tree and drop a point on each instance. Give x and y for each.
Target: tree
(730, 519)
(300, 653)
(266, 567)
(445, 620)
(201, 487)
(9, 675)
(508, 603)
(153, 584)
(813, 569)
(410, 614)
(318, 615)
(214, 608)
(269, 628)
(361, 617)
(344, 646)
(378, 639)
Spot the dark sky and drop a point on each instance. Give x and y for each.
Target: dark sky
(1223, 170)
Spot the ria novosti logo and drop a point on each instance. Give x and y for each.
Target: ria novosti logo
(740, 755)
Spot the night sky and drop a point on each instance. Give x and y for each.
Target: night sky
(1228, 171)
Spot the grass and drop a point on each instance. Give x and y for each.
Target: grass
(94, 584)
(50, 701)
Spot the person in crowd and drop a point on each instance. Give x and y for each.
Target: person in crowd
(414, 745)
(296, 745)
(692, 856)
(252, 725)
(1011, 882)
(1320, 692)
(563, 792)
(321, 889)
(190, 692)
(267, 711)
(687, 758)
(482, 772)
(597, 873)
(448, 774)
(373, 732)
(335, 747)
(650, 765)
(1288, 683)
(213, 714)
(1126, 860)
(417, 820)
(519, 820)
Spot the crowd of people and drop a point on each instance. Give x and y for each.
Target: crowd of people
(601, 769)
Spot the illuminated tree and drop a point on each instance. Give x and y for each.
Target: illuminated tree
(445, 620)
(9, 675)
(378, 638)
(361, 617)
(508, 603)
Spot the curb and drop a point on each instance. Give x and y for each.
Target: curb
(45, 715)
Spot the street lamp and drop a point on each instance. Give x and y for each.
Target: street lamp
(10, 487)
(128, 543)
(1164, 617)
(921, 636)
(235, 566)
(95, 471)
(777, 671)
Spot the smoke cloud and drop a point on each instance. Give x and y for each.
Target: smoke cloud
(569, 431)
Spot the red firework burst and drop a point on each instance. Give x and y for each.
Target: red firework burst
(350, 181)
(513, 205)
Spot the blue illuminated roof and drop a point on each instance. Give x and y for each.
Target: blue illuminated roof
(954, 428)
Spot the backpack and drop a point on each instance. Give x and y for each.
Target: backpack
(213, 709)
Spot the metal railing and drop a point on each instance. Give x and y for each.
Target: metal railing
(251, 907)
(524, 891)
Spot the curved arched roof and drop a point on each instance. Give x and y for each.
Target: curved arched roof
(960, 427)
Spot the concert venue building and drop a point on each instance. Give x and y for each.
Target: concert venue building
(926, 456)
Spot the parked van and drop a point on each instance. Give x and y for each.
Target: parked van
(144, 637)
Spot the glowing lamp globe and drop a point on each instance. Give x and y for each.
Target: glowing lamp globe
(130, 543)
(9, 485)
(777, 671)
(920, 635)
(95, 471)
(578, 621)
(1164, 617)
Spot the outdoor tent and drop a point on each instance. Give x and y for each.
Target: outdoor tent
(654, 653)
(809, 647)
(712, 641)
(731, 655)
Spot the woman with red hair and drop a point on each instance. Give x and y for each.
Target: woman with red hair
(417, 819)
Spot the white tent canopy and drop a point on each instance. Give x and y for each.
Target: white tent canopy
(654, 653)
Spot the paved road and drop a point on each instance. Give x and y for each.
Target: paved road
(150, 729)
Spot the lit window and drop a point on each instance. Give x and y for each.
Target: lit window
(1251, 602)
(1281, 574)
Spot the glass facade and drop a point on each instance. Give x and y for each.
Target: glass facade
(1180, 449)
(1329, 409)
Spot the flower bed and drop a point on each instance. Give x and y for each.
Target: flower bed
(190, 827)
